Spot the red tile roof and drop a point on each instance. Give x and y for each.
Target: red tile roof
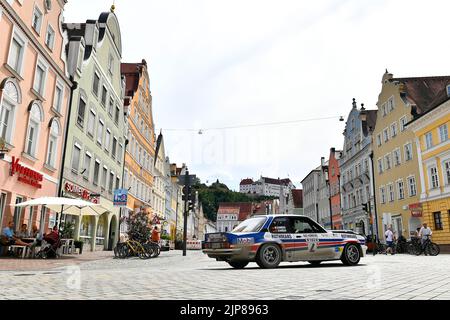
(243, 209)
(422, 91)
(246, 182)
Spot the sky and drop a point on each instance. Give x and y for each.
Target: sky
(219, 64)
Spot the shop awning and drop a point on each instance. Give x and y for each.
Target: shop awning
(74, 207)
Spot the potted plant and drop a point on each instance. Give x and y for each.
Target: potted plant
(68, 230)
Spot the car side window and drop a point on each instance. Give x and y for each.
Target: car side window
(280, 225)
(302, 225)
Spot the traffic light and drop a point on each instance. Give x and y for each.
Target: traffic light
(366, 207)
(191, 205)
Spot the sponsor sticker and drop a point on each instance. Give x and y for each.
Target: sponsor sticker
(245, 240)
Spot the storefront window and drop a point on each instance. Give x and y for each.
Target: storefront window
(17, 214)
(101, 228)
(86, 230)
(2, 207)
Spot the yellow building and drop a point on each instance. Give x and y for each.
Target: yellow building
(433, 145)
(139, 158)
(395, 157)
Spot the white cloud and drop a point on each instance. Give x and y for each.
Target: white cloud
(218, 63)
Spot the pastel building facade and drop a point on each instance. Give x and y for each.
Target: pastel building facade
(34, 98)
(140, 153)
(433, 146)
(97, 130)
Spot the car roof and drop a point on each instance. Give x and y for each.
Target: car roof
(280, 215)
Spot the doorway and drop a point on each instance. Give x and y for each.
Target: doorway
(397, 226)
(112, 233)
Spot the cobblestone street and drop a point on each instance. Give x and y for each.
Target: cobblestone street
(172, 276)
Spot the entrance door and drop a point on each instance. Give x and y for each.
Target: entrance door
(17, 214)
(112, 233)
(397, 226)
(2, 207)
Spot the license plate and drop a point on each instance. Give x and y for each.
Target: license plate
(216, 245)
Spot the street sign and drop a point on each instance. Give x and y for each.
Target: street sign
(120, 197)
(191, 179)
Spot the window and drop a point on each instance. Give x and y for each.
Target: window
(96, 84)
(111, 182)
(111, 64)
(386, 135)
(391, 104)
(384, 108)
(81, 111)
(104, 177)
(429, 140)
(104, 95)
(438, 225)
(447, 172)
(37, 20)
(391, 192)
(91, 123)
(397, 157)
(387, 159)
(111, 106)
(35, 119)
(117, 114)
(434, 178)
(50, 37)
(96, 171)
(52, 143)
(76, 153)
(394, 130)
(119, 156)
(403, 122)
(87, 165)
(280, 225)
(39, 78)
(107, 139)
(401, 190)
(379, 140)
(80, 59)
(11, 97)
(412, 186)
(100, 128)
(443, 133)
(16, 53)
(57, 103)
(114, 148)
(408, 152)
(117, 183)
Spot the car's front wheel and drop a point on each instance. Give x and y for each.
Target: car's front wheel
(351, 255)
(238, 264)
(269, 256)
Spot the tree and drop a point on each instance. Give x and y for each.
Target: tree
(139, 227)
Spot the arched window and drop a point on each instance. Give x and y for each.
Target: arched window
(11, 97)
(34, 121)
(54, 133)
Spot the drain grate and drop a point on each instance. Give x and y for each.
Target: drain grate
(24, 274)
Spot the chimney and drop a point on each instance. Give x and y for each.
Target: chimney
(322, 161)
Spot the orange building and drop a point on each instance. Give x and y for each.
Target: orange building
(335, 194)
(140, 153)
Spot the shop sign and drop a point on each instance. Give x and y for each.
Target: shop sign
(416, 210)
(81, 193)
(26, 175)
(120, 197)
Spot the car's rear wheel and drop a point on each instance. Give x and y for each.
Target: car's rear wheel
(269, 256)
(351, 255)
(238, 264)
(315, 263)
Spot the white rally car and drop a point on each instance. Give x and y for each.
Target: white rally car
(269, 240)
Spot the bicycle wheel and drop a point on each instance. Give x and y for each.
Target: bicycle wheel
(433, 249)
(148, 250)
(417, 250)
(143, 253)
(156, 250)
(124, 251)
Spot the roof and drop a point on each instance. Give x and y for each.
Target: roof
(246, 182)
(423, 91)
(297, 196)
(243, 209)
(132, 73)
(371, 118)
(277, 181)
(318, 169)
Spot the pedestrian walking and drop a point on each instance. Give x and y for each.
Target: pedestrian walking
(390, 237)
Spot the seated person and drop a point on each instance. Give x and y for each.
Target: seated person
(12, 239)
(23, 232)
(35, 231)
(53, 236)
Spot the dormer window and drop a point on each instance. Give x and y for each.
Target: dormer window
(48, 5)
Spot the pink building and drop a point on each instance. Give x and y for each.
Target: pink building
(34, 97)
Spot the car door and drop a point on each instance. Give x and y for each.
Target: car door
(281, 229)
(318, 243)
(306, 241)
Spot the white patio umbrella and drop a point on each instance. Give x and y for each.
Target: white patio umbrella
(74, 207)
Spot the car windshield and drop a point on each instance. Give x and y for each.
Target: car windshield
(251, 225)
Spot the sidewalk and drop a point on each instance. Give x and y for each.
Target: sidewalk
(15, 264)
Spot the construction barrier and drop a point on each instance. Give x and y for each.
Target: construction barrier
(193, 245)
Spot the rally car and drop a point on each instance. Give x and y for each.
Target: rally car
(272, 239)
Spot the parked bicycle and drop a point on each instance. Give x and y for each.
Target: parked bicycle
(428, 247)
(132, 248)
